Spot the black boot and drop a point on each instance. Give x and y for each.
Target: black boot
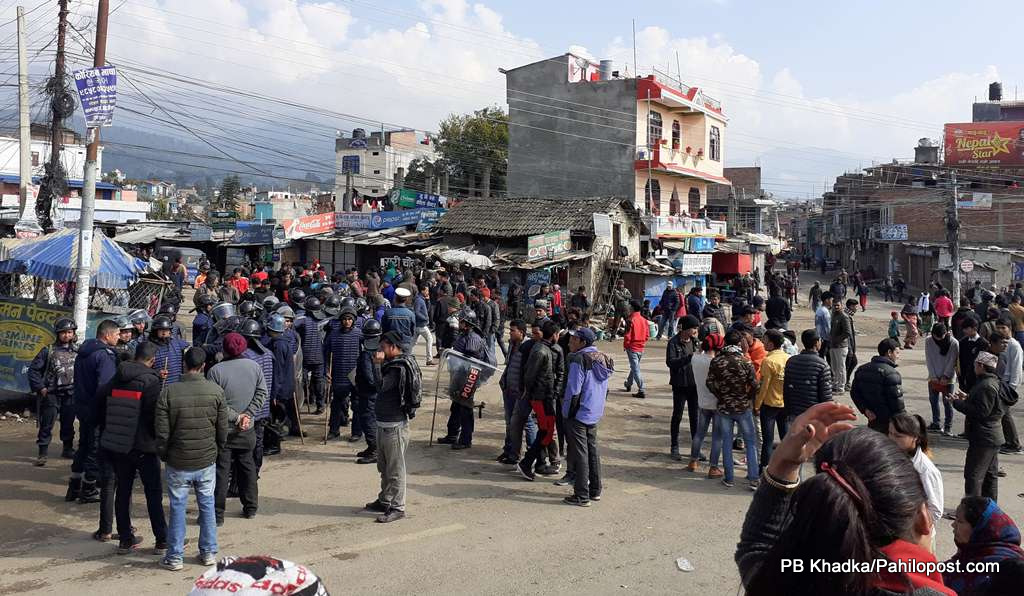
(89, 493)
(74, 488)
(41, 459)
(68, 452)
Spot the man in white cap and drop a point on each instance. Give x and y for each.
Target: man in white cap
(401, 319)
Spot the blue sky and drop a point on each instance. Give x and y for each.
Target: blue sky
(812, 88)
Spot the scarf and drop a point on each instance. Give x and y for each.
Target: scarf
(995, 538)
(943, 344)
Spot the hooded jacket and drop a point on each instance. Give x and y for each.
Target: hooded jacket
(995, 539)
(941, 365)
(95, 367)
(129, 410)
(586, 385)
(878, 386)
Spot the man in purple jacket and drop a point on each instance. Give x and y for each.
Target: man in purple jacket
(586, 387)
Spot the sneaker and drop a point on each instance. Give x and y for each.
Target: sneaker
(207, 559)
(369, 458)
(249, 513)
(430, 363)
(596, 497)
(547, 470)
(355, 438)
(390, 516)
(727, 483)
(674, 454)
(171, 565)
(737, 444)
(376, 506)
(578, 501)
(565, 481)
(460, 446)
(934, 426)
(160, 549)
(447, 440)
(1010, 451)
(627, 388)
(219, 520)
(333, 435)
(1001, 473)
(947, 432)
(693, 466)
(715, 472)
(126, 546)
(639, 395)
(753, 484)
(526, 472)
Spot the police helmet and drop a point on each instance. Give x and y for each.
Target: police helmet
(204, 300)
(468, 316)
(332, 305)
(286, 311)
(247, 308)
(362, 306)
(297, 297)
(348, 301)
(168, 309)
(275, 323)
(123, 323)
(64, 324)
(162, 322)
(251, 328)
(270, 301)
(348, 311)
(312, 304)
(139, 316)
(372, 328)
(224, 310)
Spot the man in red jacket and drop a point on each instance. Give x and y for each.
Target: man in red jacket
(637, 334)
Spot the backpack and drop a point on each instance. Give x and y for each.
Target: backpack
(412, 391)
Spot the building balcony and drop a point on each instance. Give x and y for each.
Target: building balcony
(681, 226)
(673, 93)
(662, 159)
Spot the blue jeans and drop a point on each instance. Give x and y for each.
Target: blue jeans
(723, 426)
(667, 322)
(704, 417)
(531, 425)
(179, 483)
(634, 371)
(935, 398)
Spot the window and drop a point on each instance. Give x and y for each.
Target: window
(652, 196)
(715, 144)
(676, 135)
(350, 164)
(376, 171)
(35, 159)
(673, 203)
(376, 152)
(653, 129)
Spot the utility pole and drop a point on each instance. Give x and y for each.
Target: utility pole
(27, 226)
(55, 181)
(953, 236)
(85, 222)
(347, 197)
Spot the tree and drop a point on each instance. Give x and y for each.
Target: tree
(230, 188)
(474, 150)
(416, 176)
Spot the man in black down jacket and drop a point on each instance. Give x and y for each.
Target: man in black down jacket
(678, 354)
(878, 388)
(808, 378)
(129, 443)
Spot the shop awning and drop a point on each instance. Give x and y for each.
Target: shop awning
(519, 260)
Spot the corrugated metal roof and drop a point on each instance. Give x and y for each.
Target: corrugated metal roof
(526, 216)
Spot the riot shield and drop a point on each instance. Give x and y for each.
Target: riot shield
(459, 378)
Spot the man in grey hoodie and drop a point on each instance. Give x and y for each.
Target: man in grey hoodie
(245, 390)
(941, 353)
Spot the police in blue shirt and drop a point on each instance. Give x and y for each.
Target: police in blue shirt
(401, 319)
(202, 324)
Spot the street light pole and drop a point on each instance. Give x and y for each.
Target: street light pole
(28, 224)
(953, 237)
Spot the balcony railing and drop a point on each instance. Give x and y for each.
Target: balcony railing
(682, 226)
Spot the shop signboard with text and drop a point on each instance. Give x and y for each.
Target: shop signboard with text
(542, 246)
(309, 225)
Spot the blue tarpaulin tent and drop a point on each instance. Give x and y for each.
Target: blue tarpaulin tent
(55, 256)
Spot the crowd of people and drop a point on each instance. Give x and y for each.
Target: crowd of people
(200, 415)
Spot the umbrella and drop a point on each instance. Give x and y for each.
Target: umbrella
(55, 256)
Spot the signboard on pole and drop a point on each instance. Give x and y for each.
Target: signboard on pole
(553, 243)
(223, 220)
(966, 265)
(695, 263)
(97, 92)
(892, 232)
(412, 199)
(974, 200)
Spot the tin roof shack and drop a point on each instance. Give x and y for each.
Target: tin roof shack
(572, 242)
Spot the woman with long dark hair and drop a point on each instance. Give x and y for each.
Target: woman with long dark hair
(910, 433)
(865, 504)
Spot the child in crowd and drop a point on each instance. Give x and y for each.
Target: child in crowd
(894, 325)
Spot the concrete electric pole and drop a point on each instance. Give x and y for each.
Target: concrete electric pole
(88, 212)
(28, 224)
(953, 237)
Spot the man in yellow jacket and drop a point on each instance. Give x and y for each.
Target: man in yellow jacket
(768, 404)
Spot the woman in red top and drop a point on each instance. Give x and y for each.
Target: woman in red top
(944, 308)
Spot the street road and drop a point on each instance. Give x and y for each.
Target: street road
(473, 527)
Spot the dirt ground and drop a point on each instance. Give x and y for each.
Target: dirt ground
(473, 526)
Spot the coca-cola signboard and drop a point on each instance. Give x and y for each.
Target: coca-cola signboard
(308, 225)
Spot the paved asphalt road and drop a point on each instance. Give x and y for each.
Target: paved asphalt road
(473, 526)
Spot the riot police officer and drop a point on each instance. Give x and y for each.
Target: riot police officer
(202, 324)
(51, 378)
(169, 349)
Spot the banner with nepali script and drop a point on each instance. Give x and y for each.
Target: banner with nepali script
(985, 144)
(25, 328)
